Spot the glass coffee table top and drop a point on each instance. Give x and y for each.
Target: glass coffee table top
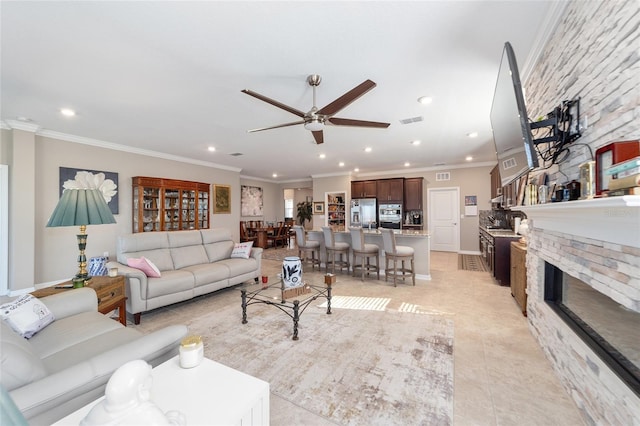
(292, 301)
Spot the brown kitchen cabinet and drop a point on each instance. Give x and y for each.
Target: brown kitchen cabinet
(390, 190)
(161, 204)
(363, 189)
(413, 194)
(496, 184)
(519, 275)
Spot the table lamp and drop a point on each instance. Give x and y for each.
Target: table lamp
(81, 207)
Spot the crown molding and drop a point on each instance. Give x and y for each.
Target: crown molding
(117, 147)
(550, 23)
(428, 169)
(27, 126)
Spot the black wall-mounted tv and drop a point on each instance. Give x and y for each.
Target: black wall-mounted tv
(510, 123)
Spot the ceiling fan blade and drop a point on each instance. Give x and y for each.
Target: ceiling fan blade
(276, 127)
(318, 136)
(347, 98)
(360, 123)
(273, 102)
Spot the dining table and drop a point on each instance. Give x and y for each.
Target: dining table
(261, 233)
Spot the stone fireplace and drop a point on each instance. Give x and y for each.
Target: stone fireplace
(595, 243)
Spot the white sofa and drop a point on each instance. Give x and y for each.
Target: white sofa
(192, 263)
(67, 364)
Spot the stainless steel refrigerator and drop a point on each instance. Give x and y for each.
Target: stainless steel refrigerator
(363, 212)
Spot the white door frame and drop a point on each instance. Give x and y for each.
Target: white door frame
(432, 205)
(4, 229)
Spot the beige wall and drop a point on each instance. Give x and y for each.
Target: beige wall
(38, 254)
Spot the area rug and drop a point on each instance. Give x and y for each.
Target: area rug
(352, 367)
(470, 262)
(278, 253)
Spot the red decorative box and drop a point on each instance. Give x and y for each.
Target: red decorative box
(608, 155)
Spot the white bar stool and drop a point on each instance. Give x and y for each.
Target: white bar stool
(305, 247)
(334, 248)
(396, 254)
(365, 252)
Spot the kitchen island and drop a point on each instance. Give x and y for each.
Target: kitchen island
(419, 240)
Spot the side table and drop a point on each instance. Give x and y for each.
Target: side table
(110, 292)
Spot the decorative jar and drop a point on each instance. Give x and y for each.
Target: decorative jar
(292, 271)
(191, 351)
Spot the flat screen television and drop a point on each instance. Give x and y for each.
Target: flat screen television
(510, 123)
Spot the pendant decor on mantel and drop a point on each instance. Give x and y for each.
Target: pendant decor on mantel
(292, 272)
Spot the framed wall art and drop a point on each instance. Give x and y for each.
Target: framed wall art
(106, 182)
(251, 201)
(318, 207)
(221, 199)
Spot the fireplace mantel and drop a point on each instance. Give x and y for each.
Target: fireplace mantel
(611, 219)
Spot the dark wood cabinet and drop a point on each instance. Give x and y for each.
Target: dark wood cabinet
(519, 275)
(496, 184)
(502, 259)
(413, 194)
(169, 205)
(363, 189)
(390, 190)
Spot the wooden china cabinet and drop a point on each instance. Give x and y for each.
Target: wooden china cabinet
(161, 204)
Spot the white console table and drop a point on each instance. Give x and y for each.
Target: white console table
(209, 394)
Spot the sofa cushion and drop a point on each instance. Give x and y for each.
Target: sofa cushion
(26, 315)
(208, 273)
(240, 266)
(20, 365)
(134, 243)
(145, 265)
(186, 249)
(171, 282)
(70, 331)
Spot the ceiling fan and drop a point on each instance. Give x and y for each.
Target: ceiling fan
(315, 119)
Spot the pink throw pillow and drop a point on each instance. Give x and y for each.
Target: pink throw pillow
(145, 265)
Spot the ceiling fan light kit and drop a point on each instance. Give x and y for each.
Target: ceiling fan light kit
(315, 119)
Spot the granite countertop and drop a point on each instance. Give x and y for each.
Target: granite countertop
(398, 232)
(500, 232)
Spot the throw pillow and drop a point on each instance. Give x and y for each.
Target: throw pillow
(26, 315)
(242, 250)
(145, 265)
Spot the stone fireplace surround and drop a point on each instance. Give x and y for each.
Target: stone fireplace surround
(597, 241)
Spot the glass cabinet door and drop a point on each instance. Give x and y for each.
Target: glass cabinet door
(171, 209)
(203, 209)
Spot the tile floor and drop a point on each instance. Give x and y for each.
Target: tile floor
(501, 375)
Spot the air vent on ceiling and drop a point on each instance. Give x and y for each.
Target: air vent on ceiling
(411, 120)
(441, 176)
(236, 154)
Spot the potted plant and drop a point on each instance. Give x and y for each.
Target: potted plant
(304, 212)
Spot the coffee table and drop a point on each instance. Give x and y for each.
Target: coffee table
(291, 301)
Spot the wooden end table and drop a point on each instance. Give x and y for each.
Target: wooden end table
(110, 292)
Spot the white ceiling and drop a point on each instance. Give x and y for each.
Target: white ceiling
(166, 77)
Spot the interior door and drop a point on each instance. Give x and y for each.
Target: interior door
(444, 218)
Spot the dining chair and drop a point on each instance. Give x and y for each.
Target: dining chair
(395, 253)
(305, 247)
(244, 233)
(365, 252)
(334, 248)
(277, 236)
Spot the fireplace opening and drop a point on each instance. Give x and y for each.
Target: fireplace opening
(610, 329)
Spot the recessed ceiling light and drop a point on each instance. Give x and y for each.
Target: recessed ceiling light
(469, 158)
(341, 164)
(275, 175)
(415, 143)
(473, 134)
(322, 156)
(425, 100)
(67, 112)
(407, 164)
(368, 149)
(212, 148)
(356, 170)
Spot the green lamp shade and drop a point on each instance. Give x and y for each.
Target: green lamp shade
(81, 207)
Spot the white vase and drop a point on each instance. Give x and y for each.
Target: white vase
(292, 271)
